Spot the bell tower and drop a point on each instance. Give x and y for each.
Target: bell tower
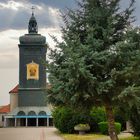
(32, 69)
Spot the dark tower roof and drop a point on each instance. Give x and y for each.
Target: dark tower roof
(32, 37)
(32, 27)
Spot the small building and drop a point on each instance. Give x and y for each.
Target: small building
(28, 105)
(3, 111)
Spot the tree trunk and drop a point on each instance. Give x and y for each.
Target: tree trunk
(111, 122)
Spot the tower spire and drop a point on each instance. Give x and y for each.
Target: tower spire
(32, 27)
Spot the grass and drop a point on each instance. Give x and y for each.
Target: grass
(130, 138)
(91, 137)
(83, 137)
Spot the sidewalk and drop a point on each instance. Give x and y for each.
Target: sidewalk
(30, 133)
(52, 134)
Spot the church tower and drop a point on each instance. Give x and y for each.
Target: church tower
(32, 69)
(28, 99)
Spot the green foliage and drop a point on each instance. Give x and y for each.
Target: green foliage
(130, 138)
(97, 115)
(135, 120)
(61, 118)
(93, 64)
(65, 119)
(121, 116)
(103, 126)
(98, 60)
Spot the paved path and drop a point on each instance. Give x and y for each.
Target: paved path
(29, 134)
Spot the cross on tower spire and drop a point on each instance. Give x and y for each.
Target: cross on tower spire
(33, 8)
(32, 27)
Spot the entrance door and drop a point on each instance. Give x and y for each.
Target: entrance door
(32, 122)
(32, 118)
(42, 122)
(22, 122)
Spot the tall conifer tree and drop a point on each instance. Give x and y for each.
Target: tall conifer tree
(89, 66)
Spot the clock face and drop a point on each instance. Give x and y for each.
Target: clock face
(32, 71)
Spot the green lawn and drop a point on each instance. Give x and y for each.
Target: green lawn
(84, 137)
(130, 138)
(91, 137)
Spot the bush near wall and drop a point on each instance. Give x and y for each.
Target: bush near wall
(97, 115)
(65, 119)
(135, 120)
(103, 127)
(121, 116)
(62, 117)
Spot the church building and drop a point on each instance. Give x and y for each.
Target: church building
(28, 105)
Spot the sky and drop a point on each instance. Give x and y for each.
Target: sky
(14, 18)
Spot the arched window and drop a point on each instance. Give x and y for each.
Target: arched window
(21, 113)
(31, 113)
(42, 113)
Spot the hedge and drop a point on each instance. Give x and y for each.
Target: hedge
(97, 115)
(65, 119)
(135, 120)
(103, 127)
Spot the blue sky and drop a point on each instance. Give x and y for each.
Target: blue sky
(14, 17)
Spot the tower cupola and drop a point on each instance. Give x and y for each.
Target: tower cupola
(32, 37)
(32, 27)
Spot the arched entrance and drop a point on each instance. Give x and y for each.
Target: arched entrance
(21, 121)
(32, 118)
(42, 120)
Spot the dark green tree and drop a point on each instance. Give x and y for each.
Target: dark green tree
(134, 119)
(91, 65)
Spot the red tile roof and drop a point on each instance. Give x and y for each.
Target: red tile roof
(14, 90)
(5, 109)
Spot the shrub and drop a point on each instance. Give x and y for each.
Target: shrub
(103, 126)
(65, 119)
(135, 120)
(121, 116)
(97, 115)
(61, 116)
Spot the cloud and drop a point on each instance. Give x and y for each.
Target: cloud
(48, 32)
(16, 14)
(11, 5)
(17, 5)
(8, 61)
(9, 51)
(60, 4)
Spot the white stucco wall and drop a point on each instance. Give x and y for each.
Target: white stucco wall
(13, 101)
